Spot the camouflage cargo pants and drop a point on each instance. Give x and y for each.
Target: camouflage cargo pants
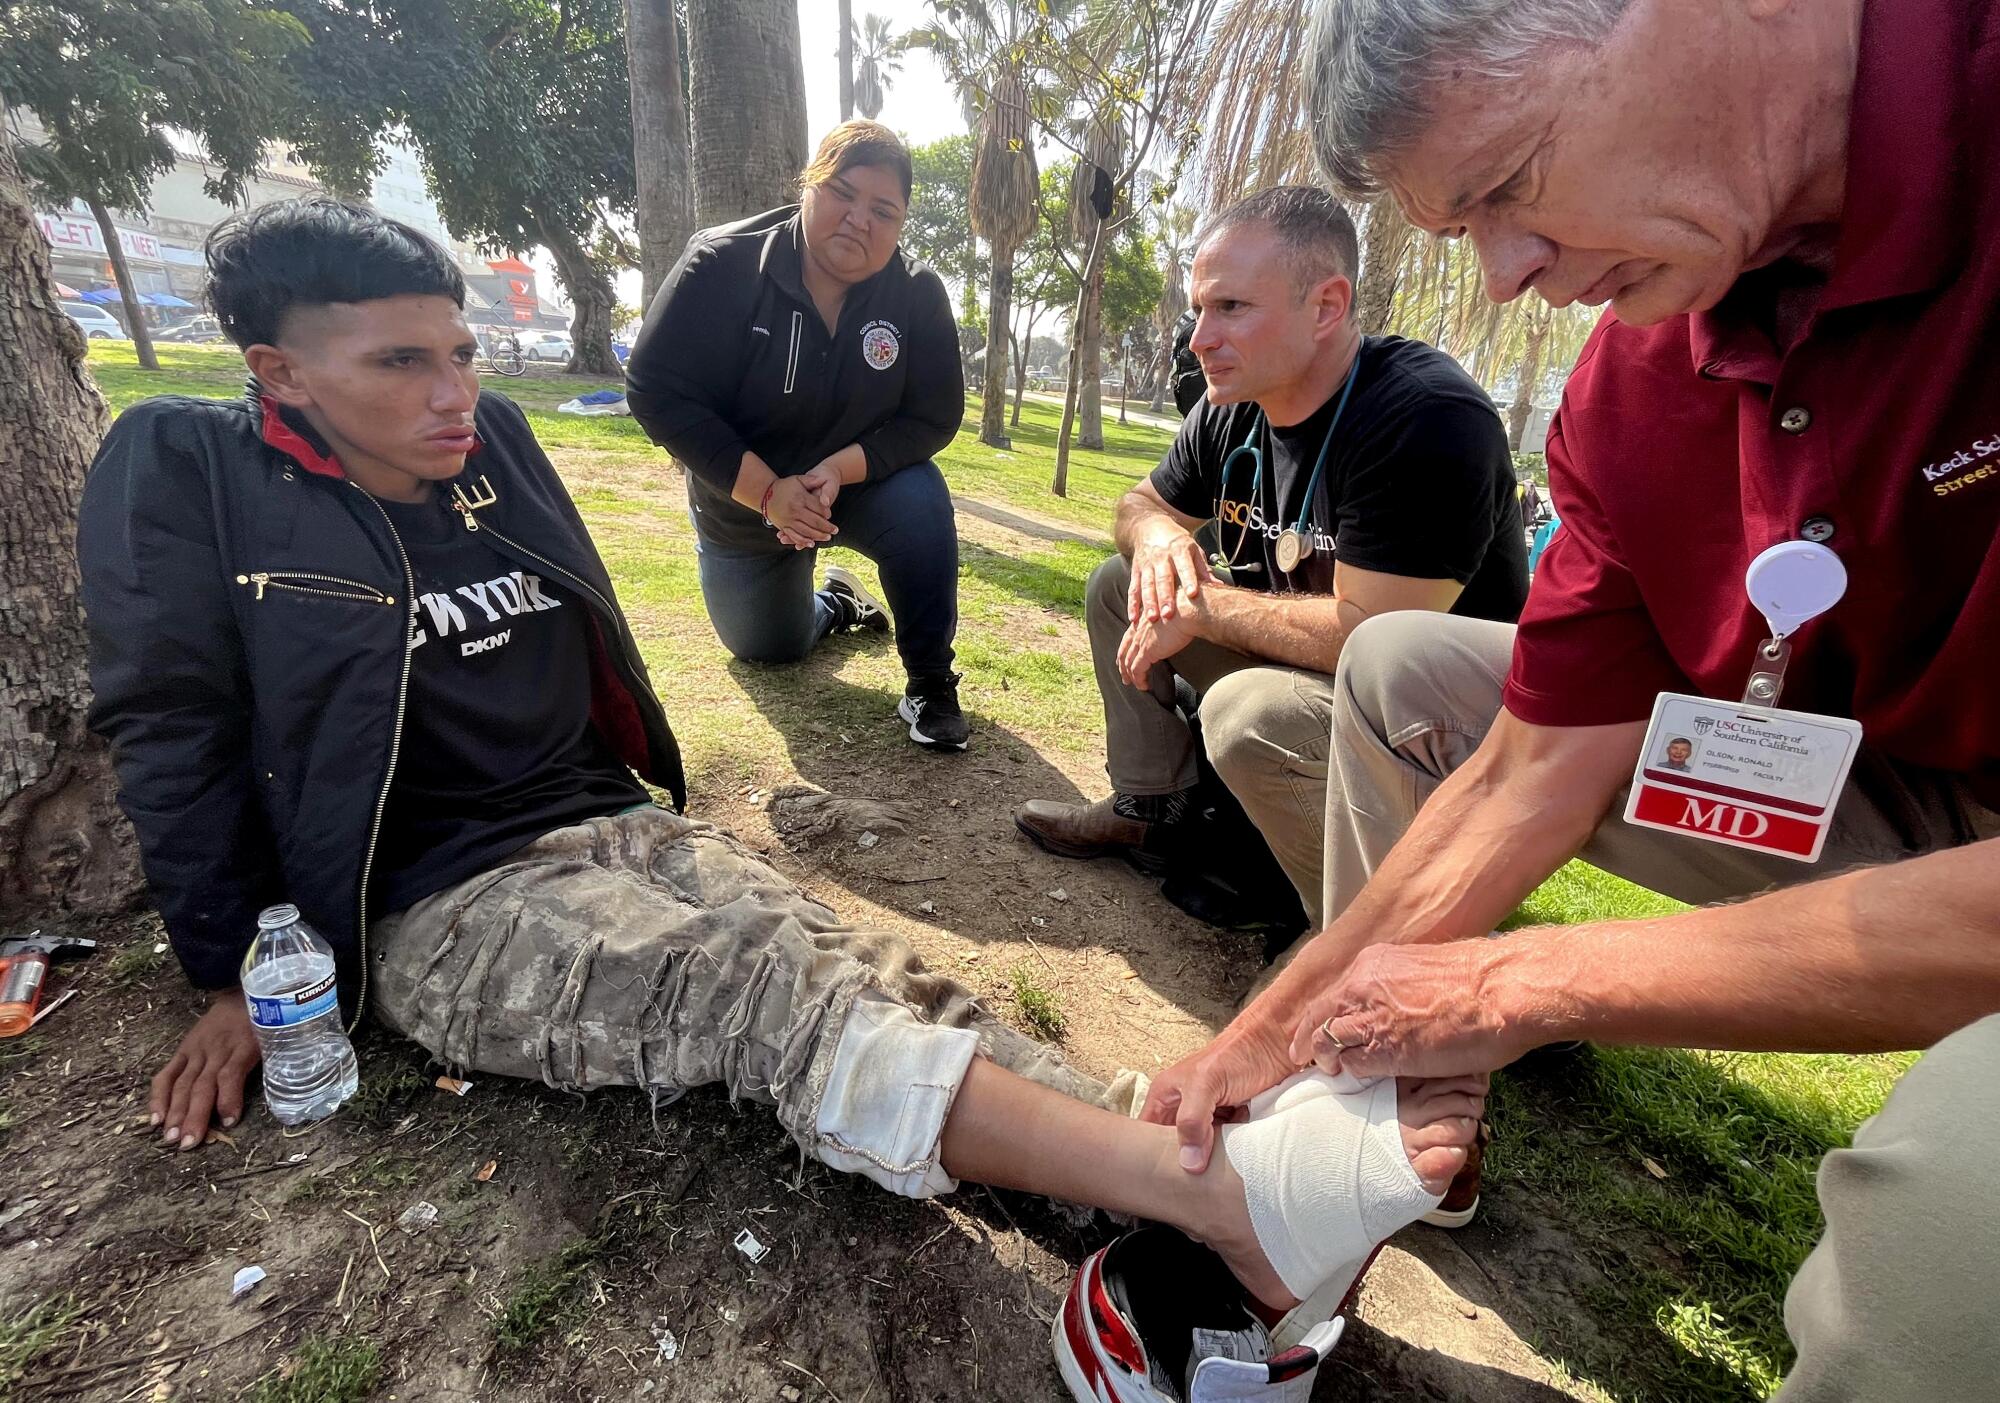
(650, 950)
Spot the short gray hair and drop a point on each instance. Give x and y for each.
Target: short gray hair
(1316, 234)
(1371, 66)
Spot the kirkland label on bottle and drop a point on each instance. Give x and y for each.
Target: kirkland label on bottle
(287, 1009)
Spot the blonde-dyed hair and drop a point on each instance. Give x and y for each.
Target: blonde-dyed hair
(859, 142)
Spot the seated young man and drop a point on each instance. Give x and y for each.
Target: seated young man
(353, 648)
(1346, 476)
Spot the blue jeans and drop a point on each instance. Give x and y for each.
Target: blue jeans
(765, 610)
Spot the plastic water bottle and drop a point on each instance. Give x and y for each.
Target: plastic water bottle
(288, 981)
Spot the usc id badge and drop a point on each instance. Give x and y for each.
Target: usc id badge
(1746, 776)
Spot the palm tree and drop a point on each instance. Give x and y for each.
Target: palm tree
(1093, 200)
(1003, 213)
(881, 60)
(1173, 230)
(660, 155)
(846, 59)
(746, 154)
(982, 47)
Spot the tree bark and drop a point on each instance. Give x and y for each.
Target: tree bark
(1537, 333)
(749, 105)
(64, 847)
(1384, 241)
(1026, 340)
(993, 393)
(592, 301)
(1090, 334)
(135, 316)
(1059, 484)
(659, 139)
(846, 59)
(1163, 362)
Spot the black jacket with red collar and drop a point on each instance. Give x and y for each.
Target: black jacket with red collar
(249, 612)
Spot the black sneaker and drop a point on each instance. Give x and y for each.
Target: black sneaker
(862, 609)
(930, 705)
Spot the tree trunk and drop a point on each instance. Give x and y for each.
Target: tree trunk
(1384, 241)
(1537, 332)
(64, 847)
(1124, 379)
(993, 393)
(592, 301)
(1163, 364)
(749, 105)
(135, 316)
(659, 139)
(846, 59)
(1092, 262)
(1090, 334)
(1021, 365)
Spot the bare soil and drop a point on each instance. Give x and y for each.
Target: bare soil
(606, 1227)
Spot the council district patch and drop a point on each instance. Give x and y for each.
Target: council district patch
(880, 345)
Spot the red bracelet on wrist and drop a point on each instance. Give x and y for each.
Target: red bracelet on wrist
(764, 507)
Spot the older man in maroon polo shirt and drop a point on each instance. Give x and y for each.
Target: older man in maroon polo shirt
(1793, 207)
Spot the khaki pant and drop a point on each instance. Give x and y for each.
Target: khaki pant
(1415, 694)
(1265, 728)
(648, 950)
(1897, 1302)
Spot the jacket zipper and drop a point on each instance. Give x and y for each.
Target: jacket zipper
(389, 776)
(611, 615)
(472, 524)
(792, 360)
(358, 590)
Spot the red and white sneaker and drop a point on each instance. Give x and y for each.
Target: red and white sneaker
(1157, 1318)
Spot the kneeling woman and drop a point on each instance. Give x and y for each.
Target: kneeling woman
(805, 372)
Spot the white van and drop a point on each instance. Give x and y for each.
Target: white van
(94, 322)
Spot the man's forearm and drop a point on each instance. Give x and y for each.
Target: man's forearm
(1138, 521)
(1303, 631)
(1879, 959)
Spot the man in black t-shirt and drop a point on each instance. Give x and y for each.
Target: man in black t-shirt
(1343, 476)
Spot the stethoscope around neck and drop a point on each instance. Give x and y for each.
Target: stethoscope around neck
(1294, 544)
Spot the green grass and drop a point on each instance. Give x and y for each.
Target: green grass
(29, 1333)
(1039, 1008)
(548, 1299)
(1694, 1265)
(323, 1371)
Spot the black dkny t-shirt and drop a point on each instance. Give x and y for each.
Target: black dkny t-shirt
(497, 748)
(1418, 482)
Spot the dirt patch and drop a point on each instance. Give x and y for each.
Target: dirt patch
(598, 1260)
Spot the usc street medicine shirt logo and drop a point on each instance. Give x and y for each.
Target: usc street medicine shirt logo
(483, 607)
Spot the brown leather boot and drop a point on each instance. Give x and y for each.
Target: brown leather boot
(1085, 830)
(1461, 1200)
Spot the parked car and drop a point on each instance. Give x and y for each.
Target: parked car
(200, 331)
(94, 322)
(547, 345)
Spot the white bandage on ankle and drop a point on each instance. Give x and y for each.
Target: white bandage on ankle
(1326, 1175)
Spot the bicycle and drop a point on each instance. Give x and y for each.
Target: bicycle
(504, 357)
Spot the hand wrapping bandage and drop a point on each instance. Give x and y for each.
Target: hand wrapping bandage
(1324, 1169)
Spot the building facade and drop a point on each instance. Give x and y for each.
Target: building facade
(162, 245)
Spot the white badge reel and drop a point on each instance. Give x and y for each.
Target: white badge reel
(1745, 774)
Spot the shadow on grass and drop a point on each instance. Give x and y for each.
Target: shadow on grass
(1027, 525)
(840, 735)
(1047, 579)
